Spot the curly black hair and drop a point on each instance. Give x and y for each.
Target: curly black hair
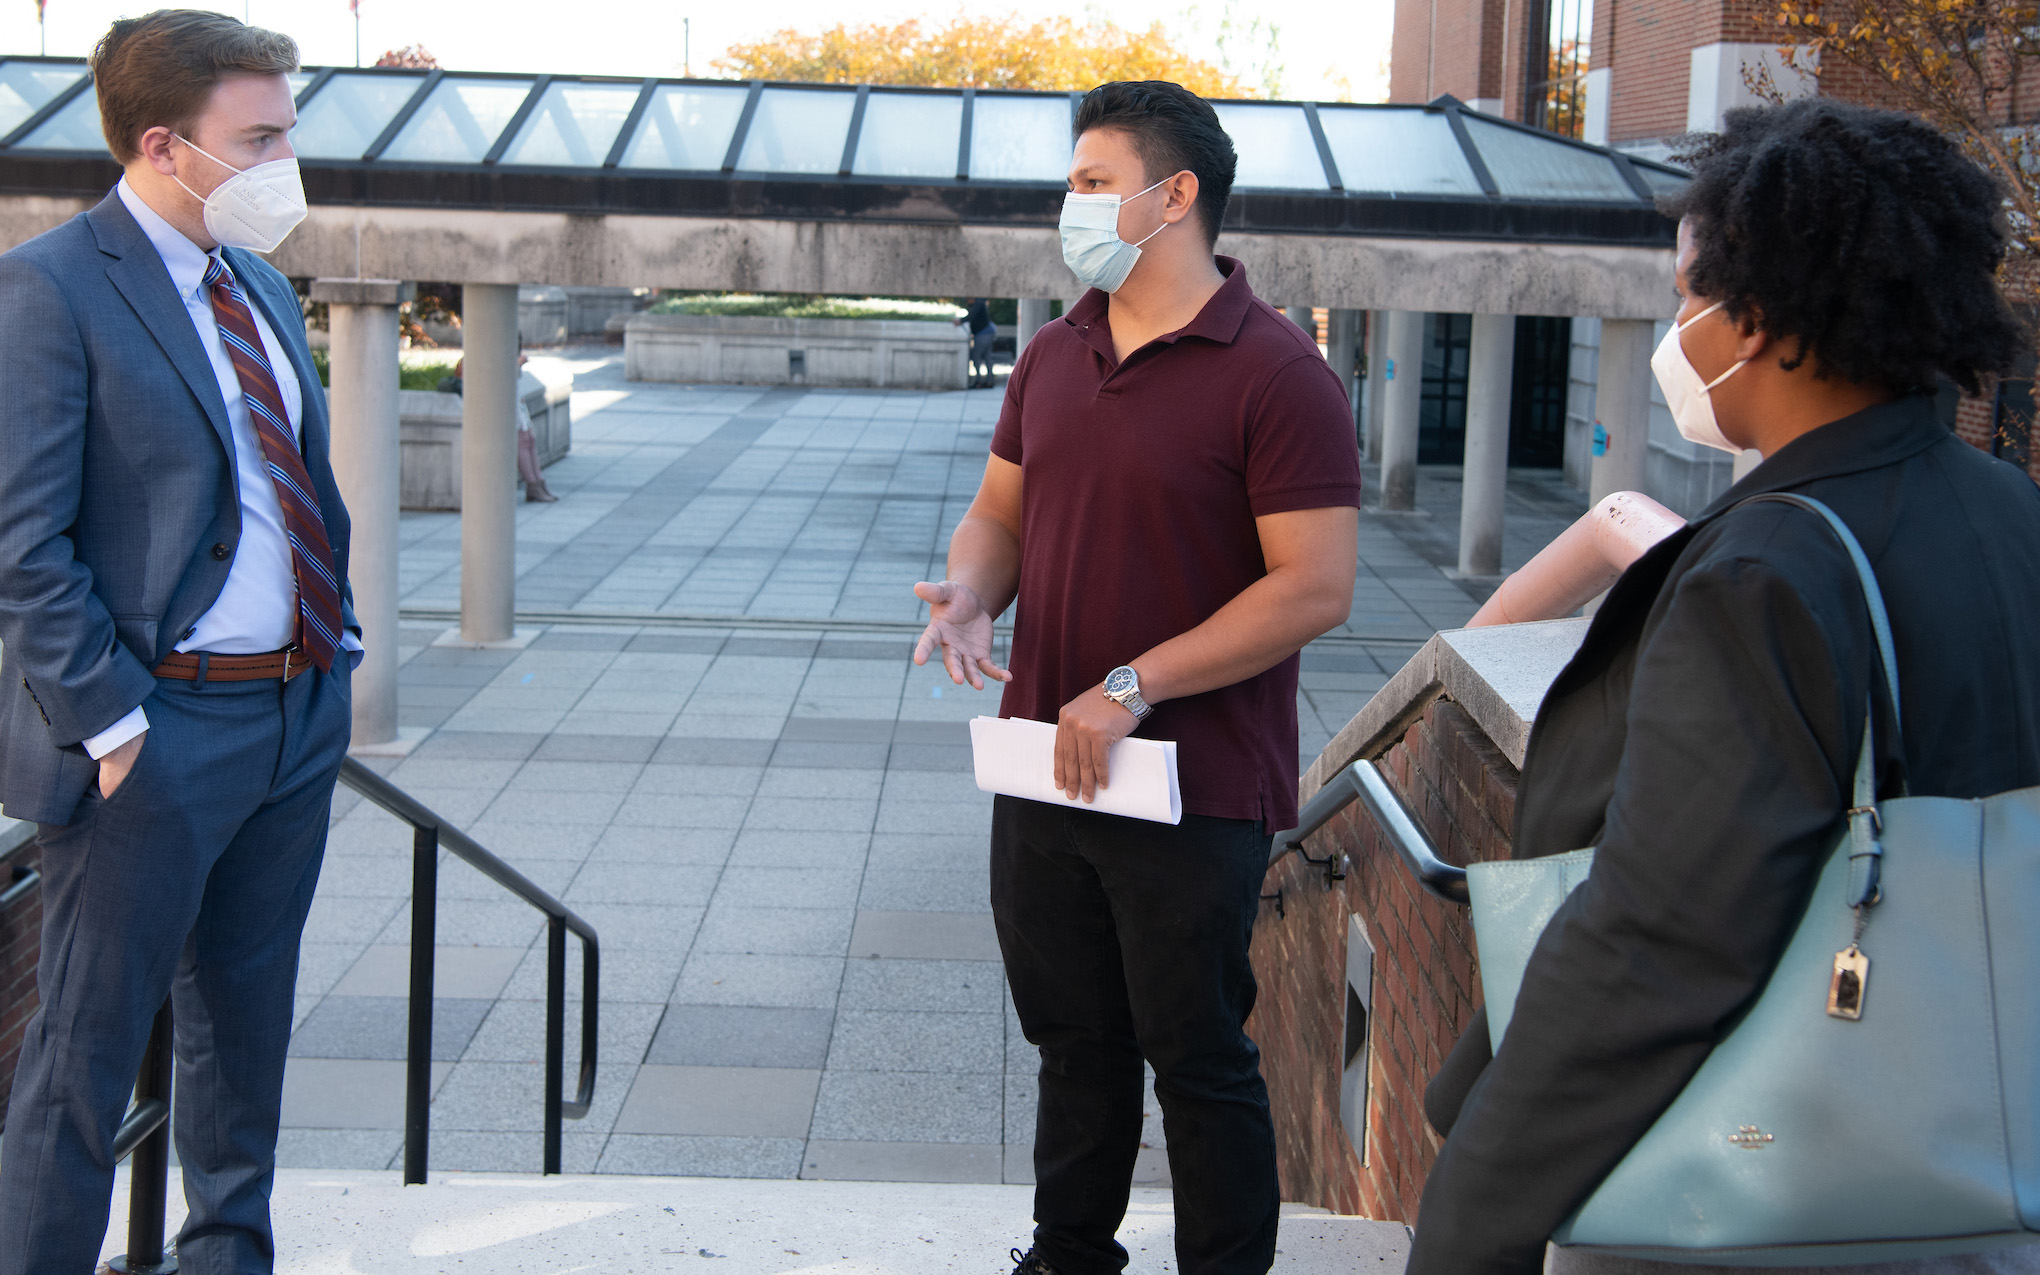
(1862, 235)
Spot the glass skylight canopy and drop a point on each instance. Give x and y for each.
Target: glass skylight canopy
(591, 145)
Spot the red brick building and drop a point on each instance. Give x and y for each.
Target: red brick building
(1634, 75)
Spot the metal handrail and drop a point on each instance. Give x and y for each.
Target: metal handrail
(1364, 781)
(145, 1134)
(429, 833)
(144, 1131)
(22, 880)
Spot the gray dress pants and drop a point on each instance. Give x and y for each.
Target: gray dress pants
(192, 881)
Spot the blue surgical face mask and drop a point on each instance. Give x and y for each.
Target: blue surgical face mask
(1091, 245)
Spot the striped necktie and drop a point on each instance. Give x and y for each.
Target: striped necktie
(311, 554)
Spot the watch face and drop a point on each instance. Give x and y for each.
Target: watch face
(1121, 680)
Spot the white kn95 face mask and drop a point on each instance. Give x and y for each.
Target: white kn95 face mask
(1091, 245)
(256, 207)
(1686, 395)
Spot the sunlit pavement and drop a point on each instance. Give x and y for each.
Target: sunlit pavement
(342, 1223)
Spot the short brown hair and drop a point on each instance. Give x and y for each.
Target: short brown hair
(159, 69)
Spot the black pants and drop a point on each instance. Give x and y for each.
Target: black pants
(1124, 939)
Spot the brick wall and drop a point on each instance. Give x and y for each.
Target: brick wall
(1462, 790)
(20, 943)
(1466, 60)
(1648, 44)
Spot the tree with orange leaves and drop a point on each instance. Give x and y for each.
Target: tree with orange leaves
(979, 52)
(1971, 68)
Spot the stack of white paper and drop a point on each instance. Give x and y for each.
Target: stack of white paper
(1016, 757)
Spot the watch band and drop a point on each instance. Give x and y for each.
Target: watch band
(1130, 698)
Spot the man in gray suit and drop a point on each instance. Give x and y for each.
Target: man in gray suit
(177, 640)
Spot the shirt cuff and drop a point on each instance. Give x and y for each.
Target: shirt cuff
(117, 734)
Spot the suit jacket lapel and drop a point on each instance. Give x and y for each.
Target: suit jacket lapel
(139, 274)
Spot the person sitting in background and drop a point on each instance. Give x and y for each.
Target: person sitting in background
(528, 471)
(1834, 263)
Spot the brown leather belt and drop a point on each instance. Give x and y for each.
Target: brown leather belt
(195, 666)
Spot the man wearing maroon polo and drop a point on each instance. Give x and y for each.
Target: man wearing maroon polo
(1170, 497)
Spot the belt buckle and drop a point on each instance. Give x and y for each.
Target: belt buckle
(288, 651)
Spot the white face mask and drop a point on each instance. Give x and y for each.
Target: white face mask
(256, 207)
(1091, 245)
(1685, 393)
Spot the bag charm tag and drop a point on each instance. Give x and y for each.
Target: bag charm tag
(1845, 989)
(1852, 969)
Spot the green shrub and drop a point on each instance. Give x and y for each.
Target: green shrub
(416, 369)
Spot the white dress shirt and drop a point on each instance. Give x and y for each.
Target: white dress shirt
(256, 610)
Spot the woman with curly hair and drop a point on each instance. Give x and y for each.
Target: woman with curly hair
(1835, 264)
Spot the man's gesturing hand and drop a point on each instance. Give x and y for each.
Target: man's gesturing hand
(958, 624)
(1085, 731)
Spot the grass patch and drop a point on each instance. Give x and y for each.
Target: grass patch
(793, 306)
(416, 369)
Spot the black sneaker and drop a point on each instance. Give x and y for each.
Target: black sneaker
(1030, 1263)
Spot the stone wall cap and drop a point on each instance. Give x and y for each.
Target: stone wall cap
(1498, 674)
(811, 329)
(363, 291)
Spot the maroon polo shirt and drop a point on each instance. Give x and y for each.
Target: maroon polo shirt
(1142, 481)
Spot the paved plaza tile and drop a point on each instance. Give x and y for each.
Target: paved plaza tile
(716, 751)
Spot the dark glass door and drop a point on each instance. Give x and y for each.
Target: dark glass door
(1538, 388)
(1441, 419)
(1537, 404)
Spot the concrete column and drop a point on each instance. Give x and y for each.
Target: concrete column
(1342, 346)
(1402, 399)
(1491, 364)
(367, 463)
(488, 473)
(1622, 408)
(1374, 393)
(1033, 313)
(1301, 316)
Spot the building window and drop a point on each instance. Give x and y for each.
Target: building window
(1441, 414)
(1538, 383)
(2011, 435)
(1555, 65)
(1543, 375)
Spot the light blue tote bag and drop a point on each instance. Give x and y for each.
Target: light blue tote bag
(1881, 1098)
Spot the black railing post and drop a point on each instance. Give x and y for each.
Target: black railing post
(431, 834)
(555, 1034)
(418, 1058)
(149, 1170)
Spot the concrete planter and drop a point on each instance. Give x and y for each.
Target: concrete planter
(430, 433)
(722, 350)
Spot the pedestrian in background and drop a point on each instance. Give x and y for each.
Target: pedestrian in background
(983, 332)
(1834, 264)
(1171, 498)
(173, 602)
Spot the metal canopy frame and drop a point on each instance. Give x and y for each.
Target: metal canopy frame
(1340, 206)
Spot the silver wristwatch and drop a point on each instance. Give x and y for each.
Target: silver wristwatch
(1122, 687)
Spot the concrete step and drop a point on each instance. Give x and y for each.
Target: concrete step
(339, 1223)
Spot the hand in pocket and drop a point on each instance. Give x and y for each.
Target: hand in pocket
(114, 767)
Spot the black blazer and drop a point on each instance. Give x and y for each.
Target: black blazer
(1704, 738)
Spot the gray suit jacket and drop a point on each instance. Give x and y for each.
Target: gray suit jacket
(118, 508)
